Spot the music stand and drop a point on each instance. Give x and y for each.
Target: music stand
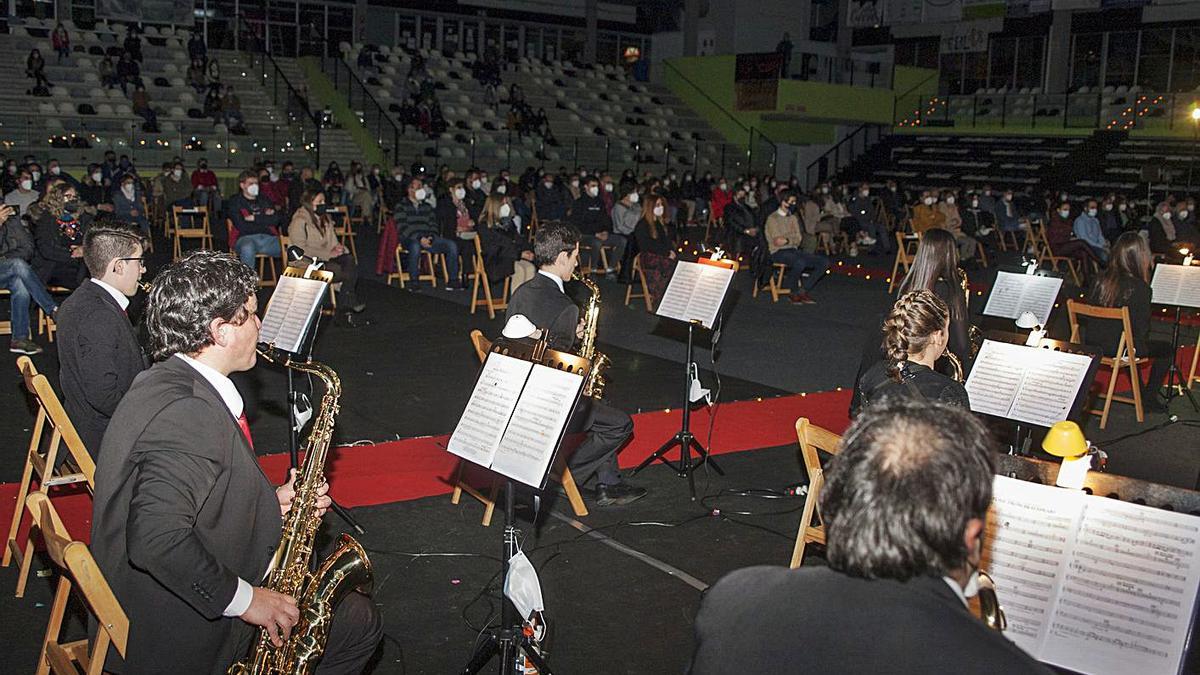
(482, 437)
(694, 296)
(295, 326)
(1176, 285)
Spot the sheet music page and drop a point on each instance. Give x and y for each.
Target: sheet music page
(1051, 383)
(1176, 285)
(290, 311)
(695, 293)
(1030, 532)
(1013, 294)
(674, 303)
(528, 445)
(995, 378)
(1129, 591)
(489, 409)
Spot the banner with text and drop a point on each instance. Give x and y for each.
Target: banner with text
(174, 12)
(965, 37)
(756, 80)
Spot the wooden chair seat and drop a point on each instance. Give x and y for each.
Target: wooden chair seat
(774, 283)
(1124, 358)
(45, 323)
(644, 294)
(263, 261)
(428, 262)
(586, 263)
(201, 232)
(343, 226)
(812, 439)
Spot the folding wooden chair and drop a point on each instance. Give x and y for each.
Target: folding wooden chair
(812, 438)
(1192, 376)
(428, 261)
(263, 260)
(482, 345)
(587, 264)
(906, 250)
(344, 229)
(79, 571)
(1046, 254)
(1124, 358)
(641, 277)
(45, 322)
(40, 465)
(203, 232)
(484, 284)
(774, 283)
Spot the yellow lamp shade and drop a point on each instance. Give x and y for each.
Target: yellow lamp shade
(1065, 439)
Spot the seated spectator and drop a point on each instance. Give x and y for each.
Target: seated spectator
(196, 76)
(212, 103)
(417, 229)
(129, 204)
(35, 172)
(334, 183)
(595, 226)
(274, 187)
(255, 222)
(1114, 217)
(1185, 222)
(133, 43)
(808, 209)
(108, 73)
(177, 190)
(60, 39)
(926, 215)
(741, 226)
(358, 192)
(35, 69)
(953, 223)
(656, 246)
(1059, 235)
(205, 190)
(58, 235)
(894, 199)
(231, 112)
(872, 233)
(214, 72)
(23, 195)
(551, 200)
(506, 249)
(141, 108)
(625, 214)
(17, 249)
(905, 510)
(916, 334)
(454, 214)
(718, 199)
(197, 49)
(1087, 229)
(91, 189)
(1008, 217)
(128, 72)
(976, 218)
(784, 242)
(54, 169)
(312, 231)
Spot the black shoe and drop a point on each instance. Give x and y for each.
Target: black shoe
(619, 494)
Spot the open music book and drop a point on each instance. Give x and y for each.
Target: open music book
(1016, 293)
(1027, 384)
(696, 292)
(1090, 583)
(515, 418)
(290, 312)
(1176, 285)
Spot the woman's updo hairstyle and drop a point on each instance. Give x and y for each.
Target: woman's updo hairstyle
(915, 318)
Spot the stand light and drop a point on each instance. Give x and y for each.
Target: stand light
(1066, 440)
(1029, 321)
(1188, 256)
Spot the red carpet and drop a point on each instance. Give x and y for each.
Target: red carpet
(421, 467)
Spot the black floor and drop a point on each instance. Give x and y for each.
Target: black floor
(410, 372)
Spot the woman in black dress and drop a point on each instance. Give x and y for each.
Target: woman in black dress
(655, 245)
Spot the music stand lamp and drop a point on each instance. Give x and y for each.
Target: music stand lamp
(1065, 440)
(1176, 382)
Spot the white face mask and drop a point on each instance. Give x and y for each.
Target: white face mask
(575, 184)
(54, 170)
(593, 191)
(505, 210)
(1064, 214)
(476, 184)
(949, 200)
(724, 186)
(97, 177)
(633, 198)
(1183, 213)
(1166, 215)
(398, 177)
(26, 184)
(252, 189)
(824, 190)
(1108, 207)
(864, 193)
(37, 175)
(127, 190)
(1008, 198)
(1091, 212)
(549, 184)
(928, 201)
(658, 210)
(502, 189)
(419, 193)
(178, 173)
(1121, 207)
(608, 187)
(974, 203)
(459, 193)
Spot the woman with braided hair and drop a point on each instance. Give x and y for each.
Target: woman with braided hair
(915, 335)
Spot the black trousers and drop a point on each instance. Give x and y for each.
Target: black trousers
(345, 270)
(607, 429)
(1160, 352)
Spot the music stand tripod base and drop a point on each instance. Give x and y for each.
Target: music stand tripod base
(1176, 382)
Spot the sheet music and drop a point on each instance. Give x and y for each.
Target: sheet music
(1176, 285)
(290, 311)
(1128, 592)
(695, 293)
(1027, 384)
(489, 409)
(1013, 294)
(528, 445)
(1030, 532)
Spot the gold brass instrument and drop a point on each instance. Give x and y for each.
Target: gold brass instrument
(317, 592)
(594, 385)
(989, 604)
(974, 335)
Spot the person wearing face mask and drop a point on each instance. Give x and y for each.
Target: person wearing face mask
(91, 190)
(718, 199)
(55, 170)
(506, 249)
(205, 189)
(313, 233)
(255, 221)
(872, 232)
(953, 224)
(892, 561)
(740, 224)
(8, 179)
(177, 188)
(17, 275)
(1185, 223)
(1087, 229)
(625, 215)
(608, 193)
(551, 200)
(23, 196)
(784, 243)
(656, 246)
(1112, 221)
(58, 233)
(926, 215)
(128, 203)
(1060, 236)
(1008, 218)
(475, 195)
(417, 230)
(454, 217)
(595, 227)
(1165, 233)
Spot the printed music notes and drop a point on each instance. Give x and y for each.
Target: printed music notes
(1090, 583)
(1176, 285)
(290, 311)
(1027, 384)
(515, 417)
(696, 292)
(1013, 294)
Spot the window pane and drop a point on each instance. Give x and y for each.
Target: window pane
(1031, 52)
(1004, 59)
(974, 71)
(1155, 60)
(572, 45)
(1122, 57)
(1085, 60)
(951, 74)
(1185, 75)
(906, 53)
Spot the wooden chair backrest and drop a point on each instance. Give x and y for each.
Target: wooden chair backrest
(39, 386)
(340, 215)
(481, 344)
(74, 557)
(202, 216)
(812, 439)
(1077, 309)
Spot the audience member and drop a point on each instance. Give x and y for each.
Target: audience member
(1059, 235)
(256, 222)
(23, 195)
(59, 237)
(35, 69)
(416, 226)
(17, 249)
(784, 242)
(313, 233)
(551, 200)
(872, 233)
(926, 216)
(506, 249)
(595, 227)
(205, 189)
(1088, 230)
(953, 223)
(129, 204)
(656, 246)
(141, 108)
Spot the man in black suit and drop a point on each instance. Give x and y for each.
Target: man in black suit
(98, 351)
(543, 301)
(904, 510)
(185, 523)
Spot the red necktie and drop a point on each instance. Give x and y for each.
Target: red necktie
(245, 427)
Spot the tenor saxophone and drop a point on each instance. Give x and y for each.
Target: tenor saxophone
(594, 386)
(317, 592)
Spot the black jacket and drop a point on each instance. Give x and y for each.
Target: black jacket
(98, 357)
(547, 308)
(1106, 333)
(551, 202)
(15, 239)
(588, 214)
(916, 381)
(502, 246)
(739, 217)
(181, 511)
(772, 621)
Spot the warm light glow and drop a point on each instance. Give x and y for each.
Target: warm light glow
(1196, 114)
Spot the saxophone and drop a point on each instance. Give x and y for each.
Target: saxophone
(316, 593)
(973, 332)
(594, 386)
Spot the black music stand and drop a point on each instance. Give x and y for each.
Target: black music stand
(1176, 383)
(510, 639)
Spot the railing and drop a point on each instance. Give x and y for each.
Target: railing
(811, 67)
(1024, 110)
(374, 117)
(854, 144)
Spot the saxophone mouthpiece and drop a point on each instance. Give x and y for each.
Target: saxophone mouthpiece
(145, 286)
